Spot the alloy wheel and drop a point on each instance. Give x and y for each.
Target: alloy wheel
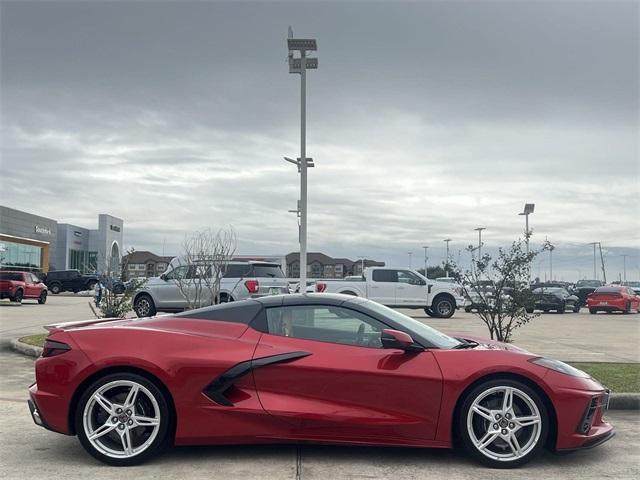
(121, 419)
(143, 307)
(504, 423)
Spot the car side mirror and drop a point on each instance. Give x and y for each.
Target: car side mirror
(163, 277)
(396, 339)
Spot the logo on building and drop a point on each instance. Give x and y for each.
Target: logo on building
(115, 228)
(77, 233)
(42, 230)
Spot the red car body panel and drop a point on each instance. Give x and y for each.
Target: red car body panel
(333, 393)
(613, 298)
(29, 288)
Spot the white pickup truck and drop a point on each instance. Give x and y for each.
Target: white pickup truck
(401, 289)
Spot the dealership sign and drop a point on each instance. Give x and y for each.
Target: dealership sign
(42, 230)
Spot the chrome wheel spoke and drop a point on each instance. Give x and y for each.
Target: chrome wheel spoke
(145, 421)
(102, 430)
(131, 397)
(103, 402)
(125, 437)
(483, 412)
(527, 421)
(487, 440)
(514, 445)
(507, 400)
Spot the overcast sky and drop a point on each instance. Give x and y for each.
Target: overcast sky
(425, 120)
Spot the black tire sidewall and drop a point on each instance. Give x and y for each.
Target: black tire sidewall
(152, 306)
(451, 304)
(465, 440)
(42, 299)
(55, 288)
(159, 443)
(19, 296)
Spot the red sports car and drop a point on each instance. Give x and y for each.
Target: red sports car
(613, 298)
(306, 368)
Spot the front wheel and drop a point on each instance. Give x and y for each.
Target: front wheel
(443, 307)
(593, 311)
(42, 299)
(576, 308)
(503, 423)
(55, 288)
(122, 419)
(18, 296)
(561, 308)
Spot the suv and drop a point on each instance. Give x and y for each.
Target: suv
(242, 280)
(70, 281)
(17, 286)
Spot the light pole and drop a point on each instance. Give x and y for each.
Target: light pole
(479, 230)
(528, 210)
(446, 264)
(410, 254)
(624, 267)
(300, 65)
(425, 260)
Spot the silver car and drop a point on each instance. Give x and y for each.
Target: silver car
(242, 280)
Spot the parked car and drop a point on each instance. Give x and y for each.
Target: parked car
(635, 286)
(613, 299)
(554, 298)
(306, 368)
(70, 281)
(400, 288)
(584, 288)
(18, 286)
(241, 280)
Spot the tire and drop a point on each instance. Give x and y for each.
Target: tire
(529, 310)
(467, 309)
(91, 284)
(499, 426)
(443, 307)
(561, 308)
(349, 292)
(117, 417)
(42, 299)
(627, 310)
(429, 312)
(18, 296)
(576, 308)
(225, 298)
(593, 311)
(144, 306)
(55, 288)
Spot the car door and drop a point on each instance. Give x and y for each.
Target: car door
(410, 289)
(382, 287)
(168, 293)
(32, 290)
(339, 383)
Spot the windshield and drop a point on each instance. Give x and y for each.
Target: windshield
(432, 335)
(588, 283)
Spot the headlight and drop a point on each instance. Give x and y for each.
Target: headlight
(559, 366)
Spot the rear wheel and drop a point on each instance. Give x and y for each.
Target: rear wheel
(593, 311)
(144, 306)
(576, 308)
(429, 312)
(122, 419)
(42, 299)
(561, 308)
(55, 288)
(91, 284)
(627, 309)
(503, 423)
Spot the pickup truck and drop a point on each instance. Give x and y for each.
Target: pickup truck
(18, 286)
(400, 288)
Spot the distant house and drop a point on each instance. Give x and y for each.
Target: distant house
(320, 265)
(145, 264)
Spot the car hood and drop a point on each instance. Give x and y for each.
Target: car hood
(488, 344)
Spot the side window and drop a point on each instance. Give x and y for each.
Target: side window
(178, 273)
(385, 276)
(33, 278)
(236, 271)
(325, 324)
(405, 276)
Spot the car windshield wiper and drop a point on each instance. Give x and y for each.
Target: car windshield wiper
(465, 344)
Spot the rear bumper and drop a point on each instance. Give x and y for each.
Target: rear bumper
(36, 415)
(611, 306)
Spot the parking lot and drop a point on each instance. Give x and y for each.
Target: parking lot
(34, 453)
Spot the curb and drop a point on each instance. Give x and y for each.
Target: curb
(25, 349)
(617, 401)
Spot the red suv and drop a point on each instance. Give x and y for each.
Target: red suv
(17, 286)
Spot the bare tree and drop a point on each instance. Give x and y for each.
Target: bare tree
(202, 265)
(500, 288)
(114, 297)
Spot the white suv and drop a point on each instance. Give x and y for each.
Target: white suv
(241, 280)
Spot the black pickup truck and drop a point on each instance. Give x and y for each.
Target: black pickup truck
(69, 281)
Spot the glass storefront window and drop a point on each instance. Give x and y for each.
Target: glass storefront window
(19, 255)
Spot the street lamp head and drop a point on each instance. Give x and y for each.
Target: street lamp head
(479, 229)
(302, 44)
(528, 208)
(447, 240)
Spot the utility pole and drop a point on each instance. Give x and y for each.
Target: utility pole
(604, 273)
(300, 65)
(446, 264)
(425, 260)
(595, 272)
(479, 230)
(624, 267)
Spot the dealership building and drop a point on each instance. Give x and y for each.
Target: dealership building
(39, 243)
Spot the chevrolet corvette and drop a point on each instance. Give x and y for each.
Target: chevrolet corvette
(306, 368)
